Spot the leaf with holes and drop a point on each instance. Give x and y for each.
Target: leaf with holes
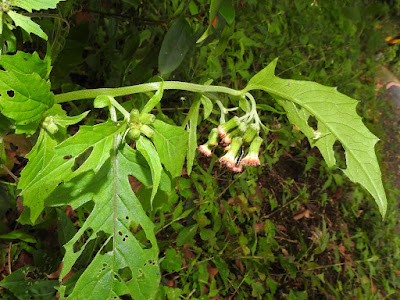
(171, 143)
(126, 263)
(45, 173)
(337, 120)
(24, 98)
(27, 63)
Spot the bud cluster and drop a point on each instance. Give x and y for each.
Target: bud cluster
(238, 138)
(139, 124)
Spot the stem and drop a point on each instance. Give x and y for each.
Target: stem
(142, 88)
(119, 107)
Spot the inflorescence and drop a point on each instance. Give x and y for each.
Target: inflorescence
(238, 135)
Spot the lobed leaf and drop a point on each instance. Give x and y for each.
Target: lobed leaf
(337, 120)
(45, 173)
(124, 265)
(171, 143)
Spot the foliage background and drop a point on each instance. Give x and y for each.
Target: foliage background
(291, 229)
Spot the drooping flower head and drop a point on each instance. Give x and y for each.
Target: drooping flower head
(212, 142)
(230, 158)
(223, 129)
(252, 159)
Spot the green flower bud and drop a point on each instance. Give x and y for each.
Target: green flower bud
(50, 125)
(147, 131)
(147, 118)
(250, 133)
(134, 133)
(134, 115)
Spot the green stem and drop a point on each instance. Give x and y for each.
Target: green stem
(119, 107)
(142, 88)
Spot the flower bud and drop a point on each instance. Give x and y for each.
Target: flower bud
(252, 159)
(50, 125)
(134, 133)
(147, 118)
(147, 131)
(223, 129)
(134, 115)
(250, 133)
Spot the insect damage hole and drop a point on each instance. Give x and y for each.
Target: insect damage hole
(340, 155)
(10, 93)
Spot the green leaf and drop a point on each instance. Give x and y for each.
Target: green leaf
(123, 264)
(27, 24)
(186, 235)
(26, 288)
(227, 11)
(24, 98)
(66, 120)
(172, 262)
(37, 185)
(150, 154)
(207, 105)
(36, 4)
(27, 63)
(65, 228)
(192, 130)
(174, 47)
(337, 120)
(153, 101)
(18, 235)
(171, 143)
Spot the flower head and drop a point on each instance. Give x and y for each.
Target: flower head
(223, 129)
(252, 159)
(212, 142)
(205, 149)
(230, 158)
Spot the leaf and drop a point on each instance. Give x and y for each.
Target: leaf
(172, 262)
(171, 143)
(186, 234)
(26, 288)
(38, 184)
(150, 154)
(27, 24)
(36, 4)
(123, 264)
(174, 47)
(66, 120)
(24, 98)
(207, 105)
(27, 63)
(153, 100)
(227, 11)
(18, 235)
(192, 130)
(337, 120)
